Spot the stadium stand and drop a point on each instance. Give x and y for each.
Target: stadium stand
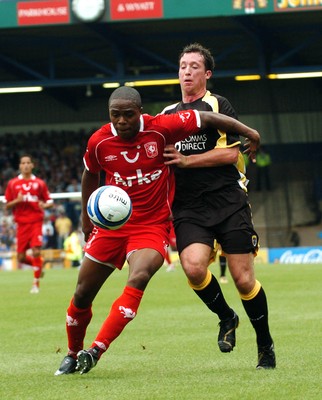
(293, 204)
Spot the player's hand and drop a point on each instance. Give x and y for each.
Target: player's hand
(19, 198)
(87, 228)
(174, 157)
(252, 145)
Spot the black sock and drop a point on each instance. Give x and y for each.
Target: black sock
(222, 263)
(214, 299)
(257, 311)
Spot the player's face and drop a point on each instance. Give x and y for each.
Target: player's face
(192, 73)
(26, 165)
(125, 116)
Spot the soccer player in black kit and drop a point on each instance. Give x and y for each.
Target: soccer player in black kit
(211, 203)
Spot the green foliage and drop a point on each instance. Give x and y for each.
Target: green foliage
(170, 350)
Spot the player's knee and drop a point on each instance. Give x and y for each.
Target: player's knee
(139, 279)
(81, 302)
(36, 253)
(244, 284)
(83, 297)
(196, 273)
(21, 257)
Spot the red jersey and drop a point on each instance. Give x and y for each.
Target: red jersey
(137, 165)
(33, 190)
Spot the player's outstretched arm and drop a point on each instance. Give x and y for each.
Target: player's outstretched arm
(228, 124)
(212, 158)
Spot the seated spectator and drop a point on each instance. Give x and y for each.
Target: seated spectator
(48, 232)
(73, 248)
(8, 235)
(63, 226)
(74, 186)
(6, 217)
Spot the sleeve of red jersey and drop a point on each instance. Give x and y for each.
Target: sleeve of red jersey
(90, 160)
(46, 194)
(180, 125)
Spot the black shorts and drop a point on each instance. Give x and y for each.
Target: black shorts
(236, 234)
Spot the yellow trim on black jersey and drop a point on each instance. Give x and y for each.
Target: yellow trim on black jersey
(222, 142)
(212, 101)
(243, 181)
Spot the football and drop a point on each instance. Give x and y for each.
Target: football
(109, 207)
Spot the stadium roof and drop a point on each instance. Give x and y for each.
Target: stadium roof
(68, 58)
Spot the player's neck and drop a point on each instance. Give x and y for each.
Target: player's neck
(26, 176)
(191, 97)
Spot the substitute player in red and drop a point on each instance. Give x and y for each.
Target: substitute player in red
(130, 152)
(28, 196)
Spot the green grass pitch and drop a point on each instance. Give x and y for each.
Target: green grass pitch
(170, 350)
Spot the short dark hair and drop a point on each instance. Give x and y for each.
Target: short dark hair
(126, 93)
(206, 53)
(26, 155)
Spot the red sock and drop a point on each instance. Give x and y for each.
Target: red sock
(77, 321)
(123, 310)
(37, 263)
(167, 257)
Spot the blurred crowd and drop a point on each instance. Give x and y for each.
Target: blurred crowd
(57, 227)
(58, 159)
(57, 154)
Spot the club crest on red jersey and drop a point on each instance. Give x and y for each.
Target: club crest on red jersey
(151, 149)
(184, 115)
(27, 186)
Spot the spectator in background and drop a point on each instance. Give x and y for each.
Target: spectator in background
(73, 248)
(263, 162)
(28, 197)
(48, 232)
(57, 171)
(8, 172)
(3, 251)
(63, 226)
(73, 206)
(2, 184)
(6, 218)
(74, 186)
(7, 235)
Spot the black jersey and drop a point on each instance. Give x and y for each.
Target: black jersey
(201, 191)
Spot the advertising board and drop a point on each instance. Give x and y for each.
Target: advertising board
(14, 13)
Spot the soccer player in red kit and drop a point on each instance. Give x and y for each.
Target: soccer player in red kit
(130, 151)
(28, 196)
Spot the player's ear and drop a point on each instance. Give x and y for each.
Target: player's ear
(208, 74)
